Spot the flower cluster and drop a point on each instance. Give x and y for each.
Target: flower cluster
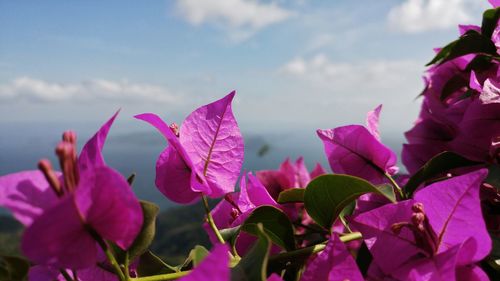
(363, 221)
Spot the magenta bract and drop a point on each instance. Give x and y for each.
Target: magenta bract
(438, 228)
(214, 267)
(334, 263)
(57, 231)
(205, 158)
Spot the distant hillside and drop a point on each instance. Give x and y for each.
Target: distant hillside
(179, 229)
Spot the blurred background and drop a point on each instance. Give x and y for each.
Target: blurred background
(296, 65)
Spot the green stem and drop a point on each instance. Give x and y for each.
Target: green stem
(127, 262)
(398, 188)
(162, 277)
(342, 219)
(210, 220)
(111, 258)
(304, 252)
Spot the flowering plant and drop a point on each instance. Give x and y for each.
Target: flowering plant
(364, 221)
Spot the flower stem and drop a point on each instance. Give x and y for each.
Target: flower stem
(109, 255)
(342, 219)
(127, 262)
(162, 277)
(305, 252)
(396, 186)
(210, 220)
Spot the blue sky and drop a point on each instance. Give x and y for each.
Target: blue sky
(295, 64)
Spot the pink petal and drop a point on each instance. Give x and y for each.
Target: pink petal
(473, 83)
(334, 263)
(463, 28)
(272, 180)
(58, 238)
(303, 177)
(108, 205)
(214, 267)
(274, 277)
(388, 249)
(490, 93)
(96, 273)
(214, 143)
(258, 193)
(173, 177)
(372, 120)
(26, 194)
(198, 182)
(438, 268)
(353, 150)
(453, 208)
(290, 175)
(494, 3)
(222, 215)
(44, 273)
(91, 154)
(471, 273)
(317, 171)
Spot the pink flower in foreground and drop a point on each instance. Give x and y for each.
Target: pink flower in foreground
(64, 212)
(204, 157)
(438, 235)
(214, 267)
(357, 150)
(334, 263)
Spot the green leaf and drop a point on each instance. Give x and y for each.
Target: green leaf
(13, 268)
(196, 255)
(147, 233)
(388, 191)
(275, 223)
(150, 264)
(253, 266)
(439, 164)
(327, 195)
(230, 234)
(470, 42)
(490, 20)
(494, 176)
(292, 195)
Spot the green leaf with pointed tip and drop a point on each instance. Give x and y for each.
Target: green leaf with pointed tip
(327, 195)
(150, 264)
(196, 255)
(490, 20)
(439, 164)
(230, 234)
(388, 191)
(292, 195)
(147, 233)
(253, 266)
(13, 268)
(276, 224)
(470, 42)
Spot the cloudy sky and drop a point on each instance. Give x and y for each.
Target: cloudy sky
(295, 64)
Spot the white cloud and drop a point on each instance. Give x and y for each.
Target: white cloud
(37, 90)
(242, 18)
(423, 15)
(372, 75)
